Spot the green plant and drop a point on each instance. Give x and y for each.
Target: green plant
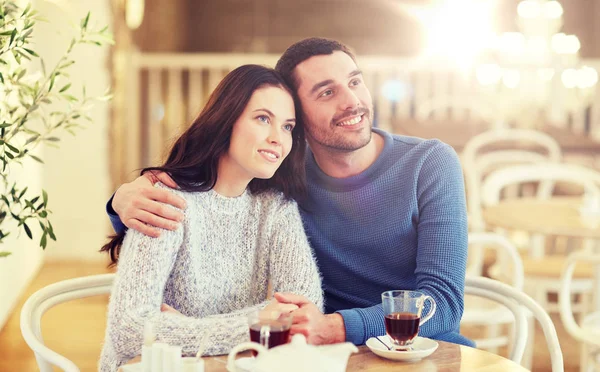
(35, 108)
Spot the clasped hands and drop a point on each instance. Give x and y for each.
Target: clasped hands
(308, 320)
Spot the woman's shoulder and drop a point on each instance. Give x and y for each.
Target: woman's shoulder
(275, 201)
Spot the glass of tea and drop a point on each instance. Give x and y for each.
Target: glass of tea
(403, 316)
(269, 328)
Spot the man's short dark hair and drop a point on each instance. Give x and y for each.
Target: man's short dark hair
(303, 50)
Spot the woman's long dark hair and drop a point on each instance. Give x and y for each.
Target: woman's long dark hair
(194, 158)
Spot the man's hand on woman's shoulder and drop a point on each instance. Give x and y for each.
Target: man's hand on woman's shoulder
(141, 206)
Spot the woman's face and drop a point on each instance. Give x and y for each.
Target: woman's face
(262, 135)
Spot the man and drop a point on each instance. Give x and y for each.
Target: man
(382, 212)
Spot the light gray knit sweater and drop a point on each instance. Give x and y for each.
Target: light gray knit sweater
(214, 269)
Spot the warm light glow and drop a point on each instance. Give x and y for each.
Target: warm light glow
(457, 29)
(565, 44)
(488, 74)
(512, 43)
(529, 9)
(134, 13)
(552, 10)
(587, 77)
(569, 78)
(511, 78)
(546, 74)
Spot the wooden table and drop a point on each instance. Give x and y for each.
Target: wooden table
(447, 358)
(555, 216)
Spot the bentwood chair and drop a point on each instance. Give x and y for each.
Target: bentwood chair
(48, 297)
(588, 333)
(481, 312)
(516, 301)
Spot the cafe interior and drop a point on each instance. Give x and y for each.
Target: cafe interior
(510, 85)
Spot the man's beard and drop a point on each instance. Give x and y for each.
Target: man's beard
(341, 142)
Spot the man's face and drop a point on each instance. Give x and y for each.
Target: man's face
(336, 105)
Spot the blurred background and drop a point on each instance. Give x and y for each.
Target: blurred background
(448, 69)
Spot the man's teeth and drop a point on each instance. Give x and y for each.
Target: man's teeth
(356, 120)
(269, 154)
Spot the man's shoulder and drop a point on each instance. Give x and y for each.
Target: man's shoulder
(404, 144)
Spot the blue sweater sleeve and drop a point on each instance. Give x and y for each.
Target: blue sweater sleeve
(442, 239)
(441, 252)
(115, 221)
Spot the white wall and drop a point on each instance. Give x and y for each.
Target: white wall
(76, 176)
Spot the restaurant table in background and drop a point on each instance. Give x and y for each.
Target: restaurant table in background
(447, 358)
(555, 216)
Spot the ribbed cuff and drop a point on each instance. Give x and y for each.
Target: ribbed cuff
(355, 329)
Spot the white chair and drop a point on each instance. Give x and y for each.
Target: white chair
(588, 334)
(512, 298)
(478, 160)
(48, 297)
(589, 179)
(482, 312)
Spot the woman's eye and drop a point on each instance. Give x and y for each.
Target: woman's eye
(264, 118)
(288, 127)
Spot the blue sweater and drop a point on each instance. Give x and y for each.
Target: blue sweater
(400, 224)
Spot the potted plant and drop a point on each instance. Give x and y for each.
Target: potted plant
(37, 106)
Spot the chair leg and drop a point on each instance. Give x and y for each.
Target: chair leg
(493, 331)
(527, 360)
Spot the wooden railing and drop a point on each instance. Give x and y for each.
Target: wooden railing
(164, 92)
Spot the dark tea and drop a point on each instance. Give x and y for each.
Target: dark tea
(279, 334)
(402, 327)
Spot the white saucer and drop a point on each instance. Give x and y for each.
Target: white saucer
(244, 364)
(422, 347)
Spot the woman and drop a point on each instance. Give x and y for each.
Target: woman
(238, 167)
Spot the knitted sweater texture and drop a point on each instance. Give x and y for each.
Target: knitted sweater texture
(400, 224)
(214, 269)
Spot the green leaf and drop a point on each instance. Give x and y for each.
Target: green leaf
(31, 139)
(43, 214)
(34, 199)
(12, 36)
(11, 147)
(31, 52)
(5, 125)
(45, 196)
(4, 254)
(5, 199)
(23, 192)
(9, 155)
(27, 9)
(43, 241)
(36, 158)
(1, 78)
(27, 230)
(51, 139)
(21, 74)
(51, 231)
(51, 82)
(64, 88)
(84, 22)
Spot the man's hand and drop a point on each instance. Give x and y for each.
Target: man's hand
(276, 307)
(317, 327)
(164, 308)
(139, 203)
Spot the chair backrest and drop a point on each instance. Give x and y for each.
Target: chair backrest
(480, 241)
(515, 300)
(492, 186)
(590, 336)
(477, 162)
(48, 297)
